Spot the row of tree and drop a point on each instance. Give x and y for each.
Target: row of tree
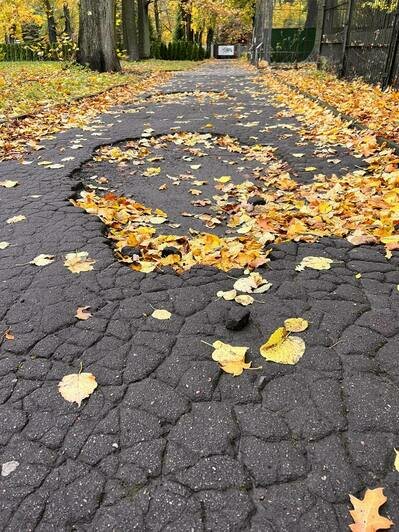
(128, 26)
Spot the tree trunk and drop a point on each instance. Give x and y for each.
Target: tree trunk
(157, 21)
(67, 19)
(51, 26)
(311, 16)
(129, 24)
(209, 39)
(144, 29)
(97, 35)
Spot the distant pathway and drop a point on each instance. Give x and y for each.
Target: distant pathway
(168, 442)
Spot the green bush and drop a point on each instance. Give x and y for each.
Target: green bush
(178, 50)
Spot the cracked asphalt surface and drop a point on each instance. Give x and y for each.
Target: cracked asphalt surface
(168, 442)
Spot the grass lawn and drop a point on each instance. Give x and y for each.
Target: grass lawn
(27, 86)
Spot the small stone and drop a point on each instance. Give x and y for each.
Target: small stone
(237, 318)
(256, 200)
(170, 250)
(129, 251)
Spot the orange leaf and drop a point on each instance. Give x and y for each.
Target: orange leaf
(366, 512)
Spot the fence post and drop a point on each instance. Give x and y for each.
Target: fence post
(392, 52)
(319, 41)
(347, 28)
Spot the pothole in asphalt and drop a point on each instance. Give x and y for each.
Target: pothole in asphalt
(187, 198)
(179, 191)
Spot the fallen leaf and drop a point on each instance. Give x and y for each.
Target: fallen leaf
(16, 219)
(275, 338)
(396, 462)
(314, 263)
(228, 296)
(55, 166)
(283, 349)
(77, 386)
(195, 166)
(224, 179)
(157, 220)
(310, 169)
(9, 335)
(79, 262)
(83, 313)
(244, 299)
(152, 171)
(366, 515)
(4, 245)
(231, 358)
(253, 282)
(195, 192)
(296, 324)
(357, 238)
(161, 314)
(8, 467)
(42, 260)
(8, 183)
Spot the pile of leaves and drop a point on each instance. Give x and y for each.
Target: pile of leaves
(133, 226)
(361, 205)
(375, 108)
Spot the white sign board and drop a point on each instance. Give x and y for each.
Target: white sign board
(226, 50)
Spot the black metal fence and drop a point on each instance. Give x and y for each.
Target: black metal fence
(360, 38)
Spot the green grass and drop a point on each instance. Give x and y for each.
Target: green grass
(27, 86)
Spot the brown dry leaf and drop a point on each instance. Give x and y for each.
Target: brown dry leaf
(77, 386)
(78, 262)
(296, 324)
(9, 335)
(366, 515)
(83, 313)
(231, 358)
(357, 238)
